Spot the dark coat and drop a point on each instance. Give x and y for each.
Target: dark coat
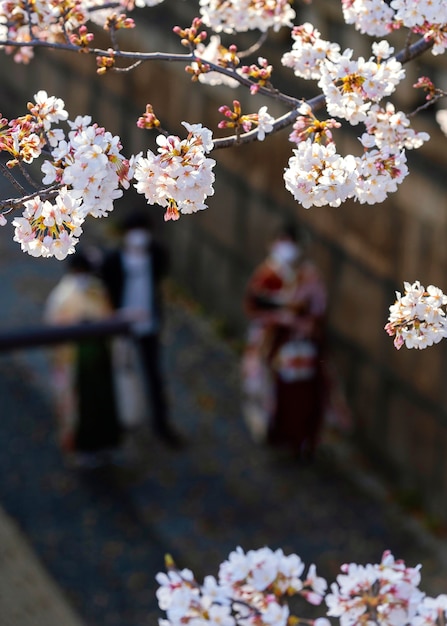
(112, 275)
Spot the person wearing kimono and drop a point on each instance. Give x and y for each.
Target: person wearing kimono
(82, 373)
(133, 275)
(282, 368)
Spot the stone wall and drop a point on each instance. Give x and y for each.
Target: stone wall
(364, 252)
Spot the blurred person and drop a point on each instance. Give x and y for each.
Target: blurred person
(82, 372)
(132, 275)
(282, 367)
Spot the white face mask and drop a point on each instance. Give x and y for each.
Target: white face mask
(285, 252)
(137, 239)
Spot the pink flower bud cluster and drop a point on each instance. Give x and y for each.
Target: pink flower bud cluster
(417, 319)
(242, 121)
(216, 53)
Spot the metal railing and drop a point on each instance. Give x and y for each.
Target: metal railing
(49, 335)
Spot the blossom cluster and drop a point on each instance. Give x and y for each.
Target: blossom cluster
(378, 17)
(24, 22)
(86, 173)
(89, 160)
(24, 138)
(353, 89)
(242, 15)
(47, 229)
(308, 52)
(250, 589)
(383, 593)
(417, 319)
(253, 589)
(180, 176)
(316, 174)
(350, 86)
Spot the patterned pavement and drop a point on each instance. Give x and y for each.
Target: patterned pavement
(100, 536)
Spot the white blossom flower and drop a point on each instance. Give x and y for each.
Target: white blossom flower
(316, 175)
(47, 229)
(441, 118)
(372, 17)
(48, 109)
(351, 86)
(378, 18)
(384, 593)
(429, 611)
(265, 123)
(417, 319)
(180, 176)
(308, 51)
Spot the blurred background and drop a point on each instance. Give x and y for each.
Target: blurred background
(103, 534)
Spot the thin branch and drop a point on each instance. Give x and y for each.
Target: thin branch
(316, 103)
(427, 104)
(404, 56)
(255, 47)
(8, 205)
(281, 122)
(27, 176)
(125, 69)
(114, 40)
(7, 174)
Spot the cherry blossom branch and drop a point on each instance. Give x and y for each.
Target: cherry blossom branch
(12, 204)
(406, 55)
(86, 165)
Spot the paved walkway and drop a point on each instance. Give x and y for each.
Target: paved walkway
(28, 595)
(83, 548)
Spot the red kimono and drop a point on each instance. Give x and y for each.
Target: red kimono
(282, 366)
